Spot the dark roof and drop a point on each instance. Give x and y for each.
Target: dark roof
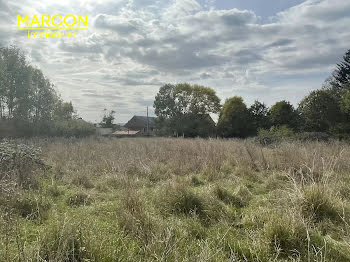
(140, 122)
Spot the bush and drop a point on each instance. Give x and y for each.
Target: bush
(313, 136)
(19, 162)
(71, 128)
(273, 135)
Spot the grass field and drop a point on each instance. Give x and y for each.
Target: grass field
(165, 199)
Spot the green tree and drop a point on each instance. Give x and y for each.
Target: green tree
(283, 113)
(260, 115)
(235, 119)
(29, 104)
(107, 119)
(64, 110)
(45, 100)
(341, 75)
(164, 103)
(319, 110)
(185, 108)
(15, 88)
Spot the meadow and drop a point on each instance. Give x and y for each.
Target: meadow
(164, 199)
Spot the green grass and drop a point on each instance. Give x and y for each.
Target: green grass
(179, 200)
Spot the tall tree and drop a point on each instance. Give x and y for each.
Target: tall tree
(260, 115)
(341, 75)
(185, 108)
(319, 110)
(283, 113)
(107, 119)
(64, 110)
(235, 119)
(345, 101)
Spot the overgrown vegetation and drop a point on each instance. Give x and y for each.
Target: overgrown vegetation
(29, 104)
(180, 109)
(175, 200)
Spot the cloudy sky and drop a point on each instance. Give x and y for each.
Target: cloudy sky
(268, 50)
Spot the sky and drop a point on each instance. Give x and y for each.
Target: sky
(267, 50)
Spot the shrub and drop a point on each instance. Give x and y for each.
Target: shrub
(273, 135)
(71, 128)
(313, 136)
(79, 199)
(18, 162)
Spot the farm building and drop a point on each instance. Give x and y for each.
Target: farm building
(145, 125)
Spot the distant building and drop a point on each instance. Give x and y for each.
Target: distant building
(126, 133)
(145, 126)
(103, 131)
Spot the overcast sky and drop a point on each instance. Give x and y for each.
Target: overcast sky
(268, 50)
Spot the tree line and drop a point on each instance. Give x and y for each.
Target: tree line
(184, 109)
(29, 104)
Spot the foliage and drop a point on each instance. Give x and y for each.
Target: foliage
(29, 104)
(18, 162)
(312, 136)
(341, 75)
(283, 113)
(274, 134)
(345, 101)
(185, 109)
(319, 110)
(64, 111)
(235, 119)
(107, 119)
(260, 115)
(71, 128)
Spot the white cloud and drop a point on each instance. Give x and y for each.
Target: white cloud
(134, 46)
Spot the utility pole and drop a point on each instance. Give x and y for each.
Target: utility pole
(147, 123)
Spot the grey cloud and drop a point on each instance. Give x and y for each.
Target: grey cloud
(112, 23)
(138, 45)
(280, 43)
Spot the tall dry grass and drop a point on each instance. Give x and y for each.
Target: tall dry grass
(164, 199)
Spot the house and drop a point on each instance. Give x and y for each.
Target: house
(145, 125)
